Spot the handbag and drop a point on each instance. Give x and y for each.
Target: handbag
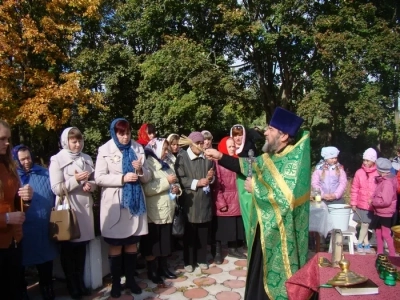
(178, 223)
(64, 225)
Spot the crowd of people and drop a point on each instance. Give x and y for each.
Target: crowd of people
(229, 195)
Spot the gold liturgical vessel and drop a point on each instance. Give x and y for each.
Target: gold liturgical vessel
(346, 277)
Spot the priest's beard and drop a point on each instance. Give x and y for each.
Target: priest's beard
(271, 148)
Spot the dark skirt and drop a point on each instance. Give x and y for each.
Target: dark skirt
(228, 229)
(133, 239)
(158, 241)
(378, 222)
(255, 274)
(366, 215)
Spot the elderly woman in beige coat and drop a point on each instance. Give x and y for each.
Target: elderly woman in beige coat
(72, 170)
(161, 193)
(121, 170)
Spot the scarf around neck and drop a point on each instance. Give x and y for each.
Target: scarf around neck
(132, 195)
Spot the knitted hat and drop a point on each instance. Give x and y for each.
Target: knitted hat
(370, 154)
(196, 137)
(329, 152)
(286, 121)
(383, 165)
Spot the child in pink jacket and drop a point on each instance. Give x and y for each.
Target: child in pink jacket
(329, 177)
(362, 190)
(384, 202)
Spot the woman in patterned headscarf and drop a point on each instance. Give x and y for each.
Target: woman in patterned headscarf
(73, 170)
(161, 194)
(121, 169)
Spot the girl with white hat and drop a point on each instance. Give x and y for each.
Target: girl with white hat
(362, 190)
(329, 177)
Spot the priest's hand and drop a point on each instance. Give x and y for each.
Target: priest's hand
(248, 185)
(212, 154)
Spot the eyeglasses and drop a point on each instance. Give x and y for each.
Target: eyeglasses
(238, 127)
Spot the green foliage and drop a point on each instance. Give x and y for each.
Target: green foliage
(182, 90)
(205, 64)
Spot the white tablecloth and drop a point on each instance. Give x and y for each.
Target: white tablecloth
(320, 219)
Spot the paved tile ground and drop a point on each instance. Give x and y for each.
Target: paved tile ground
(222, 282)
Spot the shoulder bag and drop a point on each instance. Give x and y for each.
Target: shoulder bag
(63, 223)
(178, 223)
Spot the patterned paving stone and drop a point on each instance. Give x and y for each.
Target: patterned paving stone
(222, 277)
(176, 296)
(143, 285)
(235, 284)
(238, 273)
(228, 296)
(216, 288)
(213, 270)
(179, 279)
(241, 263)
(196, 293)
(240, 291)
(211, 261)
(164, 290)
(204, 281)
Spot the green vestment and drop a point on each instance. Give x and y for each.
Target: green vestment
(280, 205)
(245, 201)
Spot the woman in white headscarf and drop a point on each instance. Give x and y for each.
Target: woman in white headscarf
(73, 170)
(161, 193)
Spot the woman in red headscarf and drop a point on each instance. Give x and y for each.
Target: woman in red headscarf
(146, 133)
(228, 223)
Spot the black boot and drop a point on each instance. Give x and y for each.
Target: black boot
(47, 291)
(218, 253)
(234, 252)
(163, 268)
(68, 265)
(115, 268)
(80, 270)
(130, 268)
(152, 273)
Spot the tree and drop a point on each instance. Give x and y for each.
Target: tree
(183, 90)
(354, 84)
(37, 84)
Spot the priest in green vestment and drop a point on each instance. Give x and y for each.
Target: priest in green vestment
(278, 214)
